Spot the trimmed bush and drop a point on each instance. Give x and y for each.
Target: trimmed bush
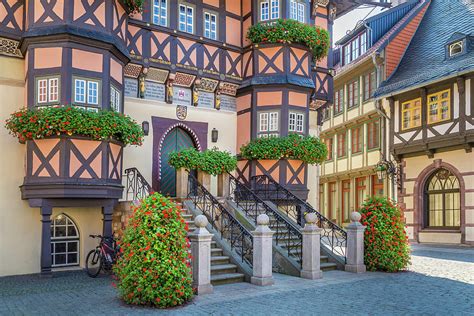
(291, 31)
(385, 240)
(29, 124)
(154, 267)
(308, 149)
(211, 161)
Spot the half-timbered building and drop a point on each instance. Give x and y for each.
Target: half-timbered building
(429, 97)
(183, 68)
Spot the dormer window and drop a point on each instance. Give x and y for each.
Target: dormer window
(456, 48)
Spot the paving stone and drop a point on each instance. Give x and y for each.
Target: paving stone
(439, 282)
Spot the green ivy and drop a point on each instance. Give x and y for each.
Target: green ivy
(154, 265)
(29, 124)
(308, 149)
(211, 161)
(134, 6)
(291, 31)
(385, 240)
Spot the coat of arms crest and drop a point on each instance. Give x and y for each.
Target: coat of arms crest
(181, 112)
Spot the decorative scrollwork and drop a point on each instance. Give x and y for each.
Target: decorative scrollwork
(137, 187)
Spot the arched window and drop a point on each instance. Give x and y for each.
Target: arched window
(443, 200)
(64, 242)
(455, 48)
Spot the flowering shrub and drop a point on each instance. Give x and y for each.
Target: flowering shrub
(291, 31)
(134, 6)
(154, 267)
(386, 242)
(210, 161)
(28, 124)
(308, 149)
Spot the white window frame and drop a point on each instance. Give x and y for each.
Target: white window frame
(188, 23)
(160, 12)
(66, 240)
(268, 124)
(208, 25)
(264, 11)
(293, 10)
(296, 122)
(363, 43)
(115, 99)
(86, 95)
(47, 90)
(275, 9)
(301, 13)
(347, 53)
(355, 49)
(456, 45)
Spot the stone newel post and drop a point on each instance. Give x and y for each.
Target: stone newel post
(311, 248)
(262, 252)
(201, 252)
(181, 183)
(355, 245)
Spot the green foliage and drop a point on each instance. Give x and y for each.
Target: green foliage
(154, 267)
(291, 31)
(308, 149)
(28, 124)
(386, 242)
(134, 6)
(210, 161)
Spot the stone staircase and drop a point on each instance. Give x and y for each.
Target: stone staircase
(223, 271)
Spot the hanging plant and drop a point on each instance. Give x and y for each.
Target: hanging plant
(308, 149)
(211, 161)
(291, 31)
(29, 124)
(134, 6)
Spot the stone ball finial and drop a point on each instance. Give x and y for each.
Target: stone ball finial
(311, 218)
(355, 217)
(263, 219)
(200, 221)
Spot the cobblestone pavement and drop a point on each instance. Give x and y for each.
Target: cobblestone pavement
(440, 281)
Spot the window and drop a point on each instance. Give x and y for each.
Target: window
(329, 145)
(456, 48)
(297, 10)
(296, 122)
(341, 145)
(64, 242)
(114, 99)
(346, 193)
(442, 201)
(370, 82)
(356, 140)
(439, 109)
(353, 94)
(355, 49)
(268, 124)
(186, 18)
(347, 54)
(411, 114)
(331, 200)
(339, 101)
(210, 25)
(377, 186)
(269, 10)
(373, 134)
(326, 112)
(160, 12)
(86, 91)
(47, 90)
(363, 43)
(361, 191)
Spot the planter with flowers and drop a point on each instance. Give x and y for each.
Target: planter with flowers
(72, 152)
(210, 162)
(284, 159)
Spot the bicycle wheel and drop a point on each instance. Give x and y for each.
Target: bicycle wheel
(93, 263)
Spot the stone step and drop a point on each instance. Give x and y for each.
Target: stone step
(219, 279)
(215, 260)
(223, 268)
(328, 266)
(216, 251)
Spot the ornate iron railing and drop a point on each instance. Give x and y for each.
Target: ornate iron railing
(287, 234)
(230, 229)
(333, 237)
(136, 187)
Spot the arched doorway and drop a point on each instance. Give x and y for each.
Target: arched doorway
(442, 200)
(176, 140)
(64, 242)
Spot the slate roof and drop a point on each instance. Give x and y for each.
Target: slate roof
(425, 60)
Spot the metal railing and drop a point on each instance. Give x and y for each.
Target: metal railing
(333, 237)
(287, 234)
(136, 187)
(231, 230)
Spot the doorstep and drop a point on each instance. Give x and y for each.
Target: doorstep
(439, 236)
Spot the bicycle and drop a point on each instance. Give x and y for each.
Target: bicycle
(103, 256)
